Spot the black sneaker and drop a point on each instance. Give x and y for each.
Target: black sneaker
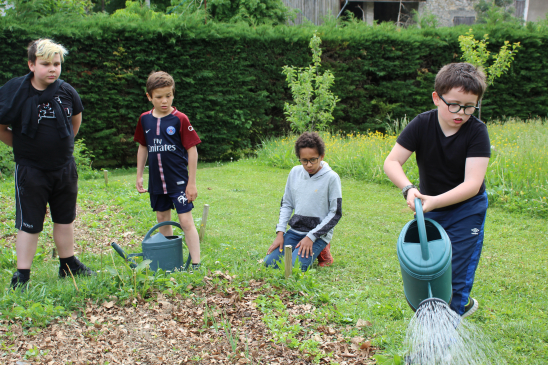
(78, 270)
(470, 307)
(18, 282)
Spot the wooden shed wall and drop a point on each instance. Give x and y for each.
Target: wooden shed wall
(313, 10)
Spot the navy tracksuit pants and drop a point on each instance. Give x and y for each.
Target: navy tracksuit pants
(464, 226)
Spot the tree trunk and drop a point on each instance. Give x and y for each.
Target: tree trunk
(399, 14)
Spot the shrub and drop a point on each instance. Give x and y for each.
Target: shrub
(229, 79)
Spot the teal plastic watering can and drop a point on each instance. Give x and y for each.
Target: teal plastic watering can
(424, 252)
(166, 253)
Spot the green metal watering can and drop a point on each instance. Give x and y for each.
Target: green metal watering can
(166, 253)
(424, 252)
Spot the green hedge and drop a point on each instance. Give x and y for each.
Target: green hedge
(229, 79)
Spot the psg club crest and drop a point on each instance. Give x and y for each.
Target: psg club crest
(170, 130)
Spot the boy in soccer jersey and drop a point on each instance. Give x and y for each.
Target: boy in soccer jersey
(45, 114)
(452, 149)
(167, 138)
(313, 192)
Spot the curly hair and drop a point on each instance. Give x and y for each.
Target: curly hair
(158, 80)
(309, 140)
(463, 76)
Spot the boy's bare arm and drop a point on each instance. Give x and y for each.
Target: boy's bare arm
(142, 154)
(191, 190)
(474, 173)
(76, 122)
(6, 135)
(393, 166)
(393, 169)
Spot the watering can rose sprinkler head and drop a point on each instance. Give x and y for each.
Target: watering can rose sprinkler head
(431, 303)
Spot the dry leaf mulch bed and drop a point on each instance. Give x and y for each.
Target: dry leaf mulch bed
(175, 330)
(84, 237)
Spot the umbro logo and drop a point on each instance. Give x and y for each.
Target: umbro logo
(475, 231)
(147, 131)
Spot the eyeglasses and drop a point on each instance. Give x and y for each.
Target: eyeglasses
(312, 161)
(455, 108)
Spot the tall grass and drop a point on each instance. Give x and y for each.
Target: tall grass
(517, 176)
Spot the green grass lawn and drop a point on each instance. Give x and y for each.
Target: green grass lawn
(364, 282)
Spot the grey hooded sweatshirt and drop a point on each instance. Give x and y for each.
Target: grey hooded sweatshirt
(316, 200)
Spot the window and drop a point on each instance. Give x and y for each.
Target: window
(458, 20)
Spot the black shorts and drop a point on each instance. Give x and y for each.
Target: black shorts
(163, 202)
(35, 188)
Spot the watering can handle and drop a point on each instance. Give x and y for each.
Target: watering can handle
(422, 229)
(161, 224)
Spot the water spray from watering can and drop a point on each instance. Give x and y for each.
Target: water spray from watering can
(166, 253)
(436, 334)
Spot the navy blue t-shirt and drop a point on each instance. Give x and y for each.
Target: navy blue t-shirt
(442, 160)
(167, 140)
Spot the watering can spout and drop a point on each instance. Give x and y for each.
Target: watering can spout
(121, 252)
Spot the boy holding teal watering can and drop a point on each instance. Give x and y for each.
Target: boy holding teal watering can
(313, 193)
(169, 141)
(452, 150)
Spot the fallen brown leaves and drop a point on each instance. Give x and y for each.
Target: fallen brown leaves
(177, 330)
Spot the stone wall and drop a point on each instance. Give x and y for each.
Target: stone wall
(447, 10)
(537, 10)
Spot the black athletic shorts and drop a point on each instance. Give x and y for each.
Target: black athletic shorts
(35, 188)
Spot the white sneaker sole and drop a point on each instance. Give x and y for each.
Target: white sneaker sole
(471, 310)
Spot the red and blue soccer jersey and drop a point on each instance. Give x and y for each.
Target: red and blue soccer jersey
(167, 140)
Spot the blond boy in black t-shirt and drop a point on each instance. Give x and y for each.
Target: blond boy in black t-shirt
(45, 114)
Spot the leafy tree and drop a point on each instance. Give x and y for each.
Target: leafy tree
(137, 10)
(42, 8)
(475, 52)
(495, 11)
(253, 12)
(314, 102)
(426, 20)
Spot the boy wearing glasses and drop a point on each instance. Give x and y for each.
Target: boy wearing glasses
(452, 149)
(313, 193)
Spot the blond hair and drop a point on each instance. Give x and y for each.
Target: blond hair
(45, 48)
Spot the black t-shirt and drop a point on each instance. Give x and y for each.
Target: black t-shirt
(441, 159)
(47, 151)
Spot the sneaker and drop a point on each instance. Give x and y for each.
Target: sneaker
(79, 270)
(470, 307)
(325, 258)
(17, 281)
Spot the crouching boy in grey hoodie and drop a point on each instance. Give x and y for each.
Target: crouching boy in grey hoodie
(313, 193)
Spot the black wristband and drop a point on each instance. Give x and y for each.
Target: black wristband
(406, 189)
